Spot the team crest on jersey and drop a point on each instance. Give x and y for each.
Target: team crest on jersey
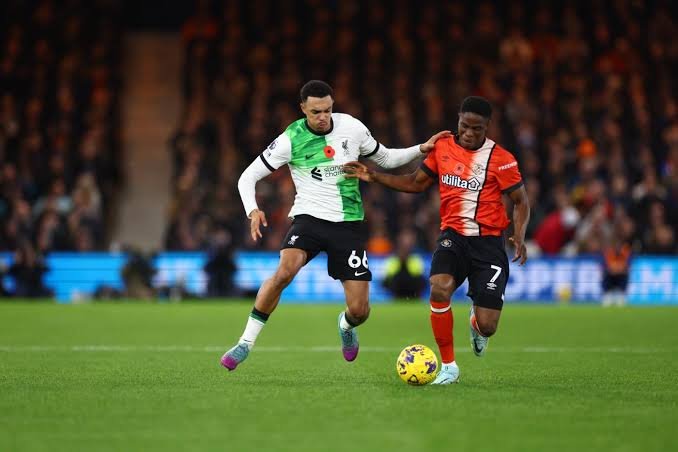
(446, 243)
(459, 169)
(293, 239)
(477, 169)
(344, 145)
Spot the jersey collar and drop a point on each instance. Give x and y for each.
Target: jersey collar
(456, 141)
(320, 133)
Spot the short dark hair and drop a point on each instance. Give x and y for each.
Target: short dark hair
(478, 105)
(315, 88)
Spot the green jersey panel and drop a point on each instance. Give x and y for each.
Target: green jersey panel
(315, 162)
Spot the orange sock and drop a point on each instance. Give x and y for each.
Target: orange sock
(442, 323)
(474, 325)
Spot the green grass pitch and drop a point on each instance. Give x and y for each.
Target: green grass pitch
(146, 377)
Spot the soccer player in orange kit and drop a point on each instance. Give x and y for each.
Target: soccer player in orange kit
(473, 172)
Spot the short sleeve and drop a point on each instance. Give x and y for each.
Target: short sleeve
(368, 145)
(430, 163)
(507, 172)
(278, 153)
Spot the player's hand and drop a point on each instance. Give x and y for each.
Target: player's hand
(257, 218)
(357, 170)
(427, 147)
(521, 250)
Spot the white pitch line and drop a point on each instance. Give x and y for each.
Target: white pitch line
(307, 349)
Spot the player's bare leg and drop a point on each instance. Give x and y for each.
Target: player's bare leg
(442, 323)
(483, 324)
(291, 261)
(357, 311)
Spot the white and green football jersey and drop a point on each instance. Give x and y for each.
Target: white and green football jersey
(316, 160)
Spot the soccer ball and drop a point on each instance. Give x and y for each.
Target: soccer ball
(417, 365)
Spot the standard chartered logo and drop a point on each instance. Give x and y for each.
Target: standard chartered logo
(333, 171)
(318, 173)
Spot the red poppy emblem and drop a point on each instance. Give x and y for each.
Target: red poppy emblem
(459, 169)
(329, 152)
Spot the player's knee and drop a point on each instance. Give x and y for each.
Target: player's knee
(359, 314)
(440, 291)
(487, 327)
(283, 277)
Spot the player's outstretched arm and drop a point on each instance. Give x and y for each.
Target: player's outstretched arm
(410, 183)
(521, 216)
(393, 158)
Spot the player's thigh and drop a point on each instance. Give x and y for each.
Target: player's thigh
(305, 234)
(347, 252)
(291, 261)
(449, 264)
(489, 272)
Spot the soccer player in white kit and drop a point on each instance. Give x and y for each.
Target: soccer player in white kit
(327, 212)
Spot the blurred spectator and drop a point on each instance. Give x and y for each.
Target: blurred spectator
(558, 227)
(220, 267)
(137, 276)
(27, 270)
(405, 271)
(616, 261)
(659, 237)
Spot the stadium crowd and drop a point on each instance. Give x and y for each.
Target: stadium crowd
(59, 126)
(586, 102)
(584, 96)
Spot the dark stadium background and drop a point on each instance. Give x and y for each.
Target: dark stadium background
(125, 125)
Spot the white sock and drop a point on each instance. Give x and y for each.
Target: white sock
(452, 364)
(252, 330)
(343, 324)
(608, 299)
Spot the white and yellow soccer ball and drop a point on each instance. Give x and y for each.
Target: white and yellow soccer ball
(417, 365)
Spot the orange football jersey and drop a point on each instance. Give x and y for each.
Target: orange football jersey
(471, 184)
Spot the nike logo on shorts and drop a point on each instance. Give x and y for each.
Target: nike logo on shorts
(360, 274)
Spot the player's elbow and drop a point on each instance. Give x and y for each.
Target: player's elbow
(519, 197)
(416, 186)
(385, 161)
(243, 181)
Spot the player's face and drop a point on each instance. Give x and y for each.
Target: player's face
(318, 111)
(472, 130)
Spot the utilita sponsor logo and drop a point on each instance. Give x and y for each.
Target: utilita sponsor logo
(456, 181)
